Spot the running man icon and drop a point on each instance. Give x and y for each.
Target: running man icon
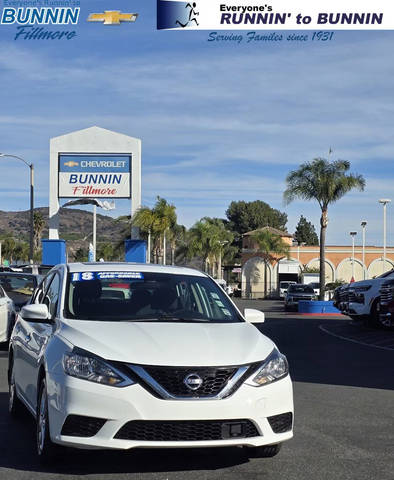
(192, 15)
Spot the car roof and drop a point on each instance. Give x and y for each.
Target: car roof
(18, 274)
(131, 267)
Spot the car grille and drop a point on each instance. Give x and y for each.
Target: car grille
(281, 423)
(80, 426)
(351, 295)
(186, 431)
(172, 379)
(344, 295)
(298, 298)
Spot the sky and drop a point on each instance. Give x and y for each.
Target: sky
(219, 121)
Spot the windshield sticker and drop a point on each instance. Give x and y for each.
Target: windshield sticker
(86, 276)
(215, 295)
(219, 303)
(226, 312)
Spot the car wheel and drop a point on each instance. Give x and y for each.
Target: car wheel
(265, 451)
(14, 404)
(373, 319)
(46, 449)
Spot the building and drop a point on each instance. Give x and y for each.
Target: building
(261, 275)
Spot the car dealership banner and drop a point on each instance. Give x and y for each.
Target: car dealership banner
(276, 14)
(99, 176)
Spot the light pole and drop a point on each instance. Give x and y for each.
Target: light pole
(353, 234)
(221, 243)
(384, 202)
(31, 166)
(363, 225)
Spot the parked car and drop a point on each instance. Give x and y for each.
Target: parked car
(174, 365)
(19, 286)
(360, 300)
(7, 316)
(283, 286)
(316, 287)
(386, 305)
(297, 292)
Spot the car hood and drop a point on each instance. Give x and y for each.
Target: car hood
(175, 344)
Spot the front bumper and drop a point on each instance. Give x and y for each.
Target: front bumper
(118, 406)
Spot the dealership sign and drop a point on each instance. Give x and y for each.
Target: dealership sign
(99, 176)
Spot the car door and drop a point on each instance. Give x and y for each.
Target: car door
(4, 316)
(37, 336)
(26, 348)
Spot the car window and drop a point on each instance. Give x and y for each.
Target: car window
(300, 289)
(19, 287)
(51, 296)
(39, 293)
(134, 296)
(2, 294)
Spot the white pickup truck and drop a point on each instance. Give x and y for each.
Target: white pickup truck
(360, 300)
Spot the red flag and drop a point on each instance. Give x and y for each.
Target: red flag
(352, 280)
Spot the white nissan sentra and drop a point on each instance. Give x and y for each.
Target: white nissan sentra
(121, 355)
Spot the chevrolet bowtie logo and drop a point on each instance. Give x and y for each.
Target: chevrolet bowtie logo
(112, 17)
(71, 163)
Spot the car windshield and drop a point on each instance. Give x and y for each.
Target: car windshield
(18, 285)
(315, 285)
(284, 284)
(300, 289)
(146, 296)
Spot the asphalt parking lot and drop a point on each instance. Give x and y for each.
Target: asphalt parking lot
(344, 416)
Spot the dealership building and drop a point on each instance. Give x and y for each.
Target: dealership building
(262, 275)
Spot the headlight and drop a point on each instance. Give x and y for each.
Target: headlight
(365, 288)
(86, 366)
(274, 368)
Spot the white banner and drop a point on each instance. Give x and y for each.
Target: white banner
(98, 185)
(275, 15)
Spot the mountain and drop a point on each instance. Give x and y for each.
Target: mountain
(75, 225)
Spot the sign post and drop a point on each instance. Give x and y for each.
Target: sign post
(93, 162)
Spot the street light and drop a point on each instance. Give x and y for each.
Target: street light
(353, 234)
(221, 243)
(363, 225)
(31, 166)
(384, 202)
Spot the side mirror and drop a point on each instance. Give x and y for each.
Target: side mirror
(37, 313)
(254, 316)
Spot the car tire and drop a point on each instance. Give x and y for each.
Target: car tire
(14, 404)
(46, 449)
(266, 451)
(373, 318)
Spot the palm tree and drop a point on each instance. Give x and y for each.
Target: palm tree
(38, 228)
(207, 238)
(144, 218)
(156, 223)
(272, 247)
(326, 182)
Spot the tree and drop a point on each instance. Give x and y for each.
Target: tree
(38, 228)
(326, 182)
(247, 216)
(272, 247)
(305, 232)
(156, 223)
(208, 239)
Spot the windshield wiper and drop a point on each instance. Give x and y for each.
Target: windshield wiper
(171, 318)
